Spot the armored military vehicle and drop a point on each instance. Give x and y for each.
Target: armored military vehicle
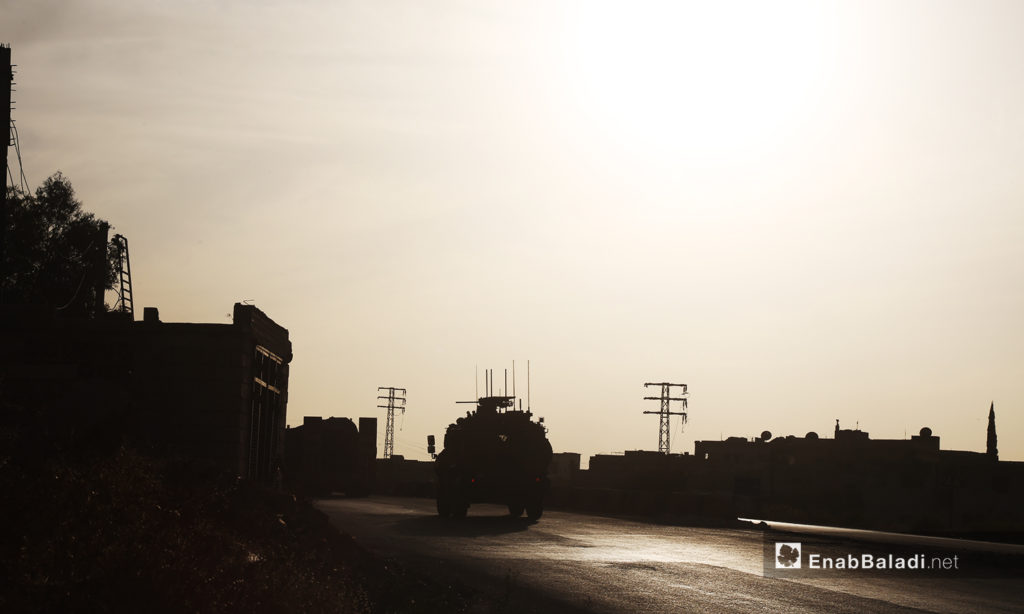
(496, 454)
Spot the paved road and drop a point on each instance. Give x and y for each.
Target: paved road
(608, 565)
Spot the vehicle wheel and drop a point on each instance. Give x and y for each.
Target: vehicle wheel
(515, 510)
(459, 510)
(444, 507)
(534, 510)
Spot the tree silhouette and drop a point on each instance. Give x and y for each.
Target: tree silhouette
(56, 254)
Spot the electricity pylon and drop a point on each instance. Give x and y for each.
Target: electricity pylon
(666, 398)
(395, 401)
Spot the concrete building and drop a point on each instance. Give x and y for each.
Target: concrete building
(210, 393)
(848, 479)
(328, 455)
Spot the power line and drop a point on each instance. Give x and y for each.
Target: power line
(16, 141)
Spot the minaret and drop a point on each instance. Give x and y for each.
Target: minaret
(990, 447)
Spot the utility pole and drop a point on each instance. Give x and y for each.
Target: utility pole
(666, 398)
(6, 83)
(395, 398)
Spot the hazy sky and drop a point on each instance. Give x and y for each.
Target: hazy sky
(804, 211)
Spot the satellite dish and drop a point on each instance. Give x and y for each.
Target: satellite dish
(766, 435)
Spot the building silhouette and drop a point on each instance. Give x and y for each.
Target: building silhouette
(328, 455)
(846, 480)
(210, 393)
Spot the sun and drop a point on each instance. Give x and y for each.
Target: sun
(700, 79)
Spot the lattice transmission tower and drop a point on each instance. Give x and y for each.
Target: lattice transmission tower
(395, 398)
(665, 412)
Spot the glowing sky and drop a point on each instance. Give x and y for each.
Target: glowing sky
(804, 211)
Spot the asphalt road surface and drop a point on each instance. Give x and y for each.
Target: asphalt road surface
(576, 562)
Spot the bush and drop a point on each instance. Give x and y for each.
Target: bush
(129, 533)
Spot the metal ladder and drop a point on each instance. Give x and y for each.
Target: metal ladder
(124, 270)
